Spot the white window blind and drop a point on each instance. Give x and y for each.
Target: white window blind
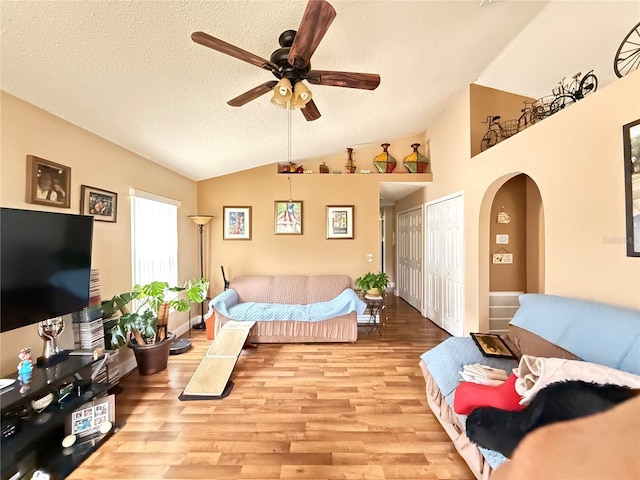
(154, 233)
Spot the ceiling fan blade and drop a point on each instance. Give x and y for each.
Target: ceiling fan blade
(315, 22)
(310, 111)
(252, 94)
(365, 81)
(228, 49)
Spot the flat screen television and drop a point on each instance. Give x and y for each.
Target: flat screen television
(45, 265)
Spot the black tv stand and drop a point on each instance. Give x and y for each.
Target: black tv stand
(53, 359)
(36, 441)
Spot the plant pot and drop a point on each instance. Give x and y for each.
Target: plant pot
(374, 292)
(152, 358)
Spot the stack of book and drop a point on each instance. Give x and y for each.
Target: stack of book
(112, 367)
(94, 289)
(88, 333)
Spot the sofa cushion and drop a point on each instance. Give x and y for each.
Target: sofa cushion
(595, 332)
(291, 289)
(523, 342)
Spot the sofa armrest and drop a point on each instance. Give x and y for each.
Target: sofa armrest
(223, 301)
(445, 361)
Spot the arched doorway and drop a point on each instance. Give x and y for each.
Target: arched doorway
(515, 260)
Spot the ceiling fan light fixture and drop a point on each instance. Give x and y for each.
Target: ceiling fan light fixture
(282, 93)
(301, 96)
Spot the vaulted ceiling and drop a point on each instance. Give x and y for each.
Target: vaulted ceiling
(129, 71)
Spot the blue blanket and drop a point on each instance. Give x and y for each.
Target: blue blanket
(227, 304)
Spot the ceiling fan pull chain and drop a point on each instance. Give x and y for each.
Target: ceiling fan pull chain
(289, 143)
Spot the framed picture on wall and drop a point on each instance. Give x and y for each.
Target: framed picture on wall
(339, 222)
(631, 144)
(48, 183)
(237, 223)
(102, 204)
(288, 217)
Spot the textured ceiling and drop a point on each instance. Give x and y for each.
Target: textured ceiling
(129, 72)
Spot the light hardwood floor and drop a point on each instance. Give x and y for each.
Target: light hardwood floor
(297, 411)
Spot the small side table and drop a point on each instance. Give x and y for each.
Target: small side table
(376, 306)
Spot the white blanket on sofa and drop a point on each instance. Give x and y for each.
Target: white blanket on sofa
(535, 373)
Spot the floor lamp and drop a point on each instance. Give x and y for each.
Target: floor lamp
(201, 221)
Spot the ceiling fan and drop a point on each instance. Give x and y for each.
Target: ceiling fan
(290, 64)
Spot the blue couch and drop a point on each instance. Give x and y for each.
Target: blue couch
(594, 332)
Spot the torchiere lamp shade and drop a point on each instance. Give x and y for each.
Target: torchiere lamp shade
(201, 219)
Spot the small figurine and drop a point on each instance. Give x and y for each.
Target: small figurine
(25, 366)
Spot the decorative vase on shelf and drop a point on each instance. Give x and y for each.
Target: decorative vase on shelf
(350, 166)
(415, 162)
(324, 168)
(384, 162)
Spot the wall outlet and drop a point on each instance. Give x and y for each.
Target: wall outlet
(369, 257)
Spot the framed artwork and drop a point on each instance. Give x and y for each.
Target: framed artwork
(48, 183)
(631, 144)
(288, 217)
(339, 222)
(102, 204)
(237, 223)
(491, 345)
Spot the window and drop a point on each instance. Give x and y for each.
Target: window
(154, 238)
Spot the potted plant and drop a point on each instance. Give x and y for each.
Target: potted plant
(144, 329)
(373, 283)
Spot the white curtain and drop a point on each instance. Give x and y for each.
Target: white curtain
(154, 240)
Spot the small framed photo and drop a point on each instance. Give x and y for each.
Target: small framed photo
(288, 217)
(492, 345)
(102, 204)
(237, 223)
(89, 417)
(339, 222)
(48, 183)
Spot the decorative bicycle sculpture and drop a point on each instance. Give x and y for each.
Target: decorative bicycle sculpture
(497, 131)
(534, 111)
(577, 89)
(627, 57)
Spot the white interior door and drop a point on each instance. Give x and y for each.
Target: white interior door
(444, 272)
(403, 255)
(410, 257)
(434, 265)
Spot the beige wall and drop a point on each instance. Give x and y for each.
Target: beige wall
(25, 130)
(311, 252)
(575, 158)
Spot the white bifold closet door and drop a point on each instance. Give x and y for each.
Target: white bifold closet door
(444, 269)
(410, 249)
